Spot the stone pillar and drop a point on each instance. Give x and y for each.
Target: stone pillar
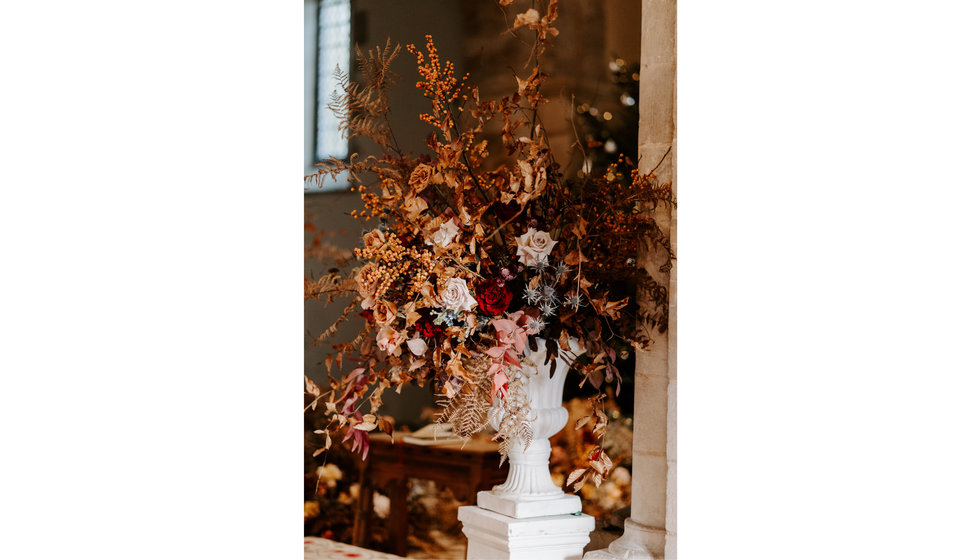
(650, 532)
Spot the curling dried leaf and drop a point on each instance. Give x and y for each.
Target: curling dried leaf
(563, 341)
(600, 425)
(576, 479)
(368, 423)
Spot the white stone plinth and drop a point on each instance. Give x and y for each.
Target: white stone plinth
(492, 536)
(521, 508)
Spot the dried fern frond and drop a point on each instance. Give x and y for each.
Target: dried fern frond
(466, 410)
(515, 426)
(332, 329)
(363, 109)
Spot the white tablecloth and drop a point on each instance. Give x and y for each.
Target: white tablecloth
(322, 549)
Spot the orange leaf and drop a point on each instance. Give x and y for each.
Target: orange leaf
(575, 257)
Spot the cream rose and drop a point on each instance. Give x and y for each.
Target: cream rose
(390, 340)
(445, 235)
(534, 246)
(456, 296)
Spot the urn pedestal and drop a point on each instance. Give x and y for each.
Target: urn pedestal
(528, 516)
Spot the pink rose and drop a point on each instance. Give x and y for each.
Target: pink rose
(390, 340)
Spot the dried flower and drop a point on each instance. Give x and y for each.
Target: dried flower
(548, 294)
(445, 235)
(534, 246)
(456, 296)
(390, 340)
(535, 325)
(547, 309)
(421, 176)
(366, 280)
(531, 295)
(385, 312)
(426, 325)
(374, 240)
(493, 297)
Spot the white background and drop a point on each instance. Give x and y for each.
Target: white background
(151, 313)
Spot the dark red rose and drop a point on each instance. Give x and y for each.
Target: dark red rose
(425, 326)
(506, 211)
(492, 297)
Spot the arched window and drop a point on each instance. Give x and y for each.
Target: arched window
(328, 40)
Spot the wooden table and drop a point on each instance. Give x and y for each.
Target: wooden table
(465, 471)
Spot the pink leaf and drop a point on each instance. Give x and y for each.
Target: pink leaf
(519, 339)
(500, 384)
(504, 325)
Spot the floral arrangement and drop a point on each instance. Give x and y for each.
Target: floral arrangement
(466, 263)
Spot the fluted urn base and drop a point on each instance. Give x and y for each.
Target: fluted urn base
(529, 490)
(522, 508)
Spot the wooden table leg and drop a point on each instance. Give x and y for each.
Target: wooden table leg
(398, 517)
(362, 511)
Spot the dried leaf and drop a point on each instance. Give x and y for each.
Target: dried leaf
(531, 16)
(367, 423)
(575, 257)
(386, 425)
(563, 341)
(601, 422)
(311, 387)
(576, 479)
(596, 478)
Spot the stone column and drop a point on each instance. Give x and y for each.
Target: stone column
(650, 531)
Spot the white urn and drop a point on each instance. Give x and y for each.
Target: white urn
(529, 490)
